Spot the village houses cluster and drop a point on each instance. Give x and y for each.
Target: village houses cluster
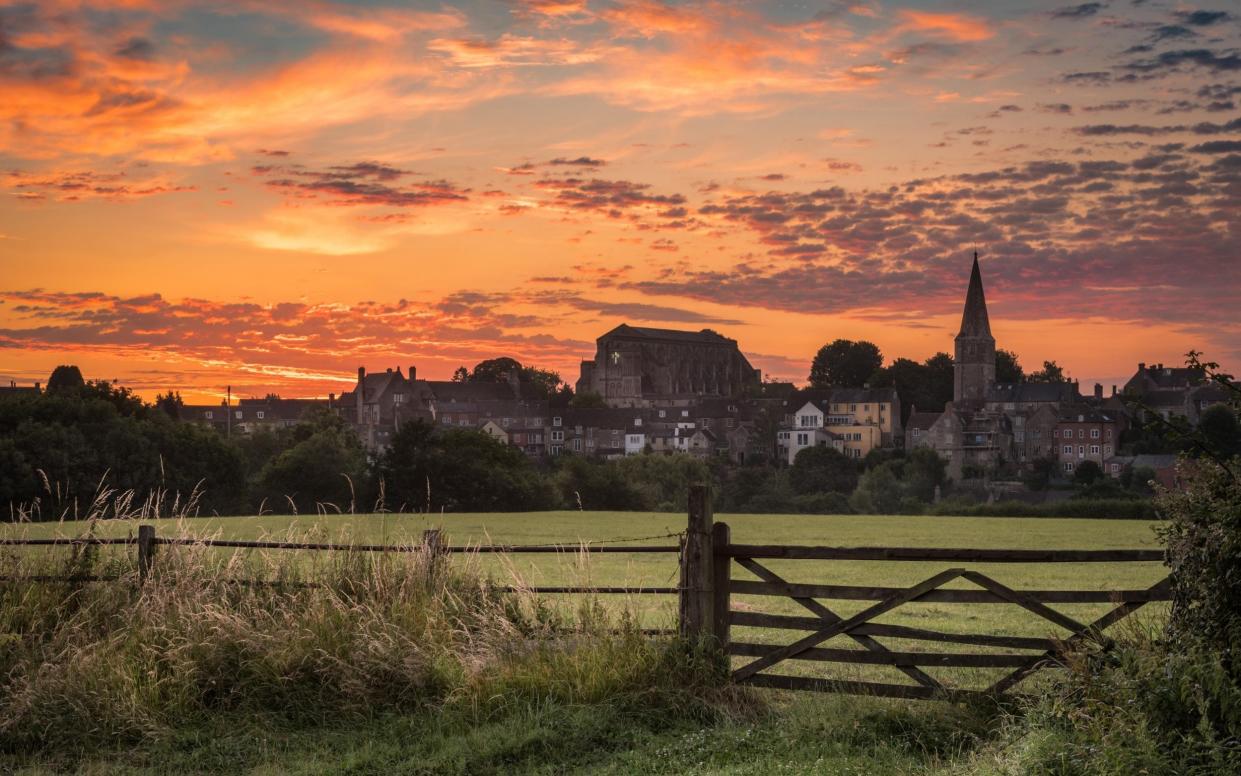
(695, 392)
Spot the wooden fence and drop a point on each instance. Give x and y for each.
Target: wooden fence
(707, 588)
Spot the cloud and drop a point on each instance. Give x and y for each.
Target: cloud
(76, 185)
(360, 183)
(1202, 18)
(1081, 11)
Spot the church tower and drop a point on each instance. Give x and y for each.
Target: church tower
(973, 372)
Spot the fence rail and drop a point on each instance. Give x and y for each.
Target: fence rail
(147, 541)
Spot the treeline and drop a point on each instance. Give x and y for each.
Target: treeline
(61, 448)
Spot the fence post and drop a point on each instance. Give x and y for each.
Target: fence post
(146, 551)
(431, 541)
(697, 578)
(721, 537)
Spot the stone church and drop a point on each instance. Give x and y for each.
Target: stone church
(636, 366)
(989, 427)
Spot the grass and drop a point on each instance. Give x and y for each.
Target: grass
(612, 715)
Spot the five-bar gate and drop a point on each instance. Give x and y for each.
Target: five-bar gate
(707, 588)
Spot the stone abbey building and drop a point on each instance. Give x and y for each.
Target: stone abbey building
(637, 366)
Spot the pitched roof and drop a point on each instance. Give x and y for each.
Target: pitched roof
(922, 420)
(974, 321)
(1032, 392)
(646, 332)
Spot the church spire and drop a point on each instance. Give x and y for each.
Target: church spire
(974, 321)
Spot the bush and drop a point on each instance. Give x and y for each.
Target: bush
(1142, 708)
(1102, 509)
(1203, 537)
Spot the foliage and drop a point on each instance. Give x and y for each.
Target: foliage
(118, 663)
(170, 403)
(65, 378)
(1220, 430)
(458, 470)
(543, 382)
(59, 449)
(1050, 373)
(844, 363)
(1087, 473)
(926, 386)
(901, 485)
(1102, 509)
(1007, 368)
(1040, 473)
(323, 469)
(588, 400)
(663, 480)
(1146, 707)
(822, 469)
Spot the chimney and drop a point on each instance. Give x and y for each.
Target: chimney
(413, 373)
(37, 387)
(1113, 390)
(1098, 390)
(1141, 366)
(359, 396)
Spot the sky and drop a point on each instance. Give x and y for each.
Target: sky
(269, 194)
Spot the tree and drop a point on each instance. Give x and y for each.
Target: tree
(544, 381)
(1220, 430)
(495, 370)
(325, 466)
(878, 492)
(939, 379)
(170, 403)
(1050, 373)
(588, 400)
(1007, 369)
(822, 469)
(460, 375)
(460, 470)
(845, 363)
(1087, 473)
(65, 378)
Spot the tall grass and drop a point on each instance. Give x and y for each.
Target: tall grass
(303, 638)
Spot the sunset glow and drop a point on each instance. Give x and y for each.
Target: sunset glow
(269, 194)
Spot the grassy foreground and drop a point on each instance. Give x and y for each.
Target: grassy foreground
(388, 673)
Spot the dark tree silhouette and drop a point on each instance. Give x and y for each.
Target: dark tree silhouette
(845, 363)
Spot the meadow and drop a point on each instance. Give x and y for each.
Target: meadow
(615, 705)
(574, 529)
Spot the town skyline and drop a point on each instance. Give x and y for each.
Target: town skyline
(268, 195)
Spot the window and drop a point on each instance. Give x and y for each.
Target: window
(663, 413)
(1068, 449)
(852, 408)
(856, 453)
(577, 445)
(1107, 449)
(1081, 433)
(637, 422)
(398, 398)
(446, 419)
(207, 414)
(917, 432)
(557, 436)
(1094, 433)
(1021, 436)
(1081, 451)
(865, 408)
(259, 414)
(1068, 466)
(557, 421)
(803, 440)
(1094, 449)
(685, 413)
(1056, 433)
(237, 414)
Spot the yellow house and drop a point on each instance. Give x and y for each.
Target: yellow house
(858, 420)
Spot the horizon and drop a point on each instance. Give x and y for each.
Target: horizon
(268, 196)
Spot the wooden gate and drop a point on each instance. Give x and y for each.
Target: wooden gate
(706, 610)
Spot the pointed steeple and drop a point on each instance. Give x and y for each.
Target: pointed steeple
(974, 321)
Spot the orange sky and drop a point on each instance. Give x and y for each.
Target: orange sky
(270, 194)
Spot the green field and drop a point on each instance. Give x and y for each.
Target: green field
(799, 733)
(660, 570)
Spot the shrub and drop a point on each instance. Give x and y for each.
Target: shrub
(1203, 537)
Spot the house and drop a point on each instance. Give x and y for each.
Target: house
(250, 415)
(381, 402)
(1085, 434)
(855, 421)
